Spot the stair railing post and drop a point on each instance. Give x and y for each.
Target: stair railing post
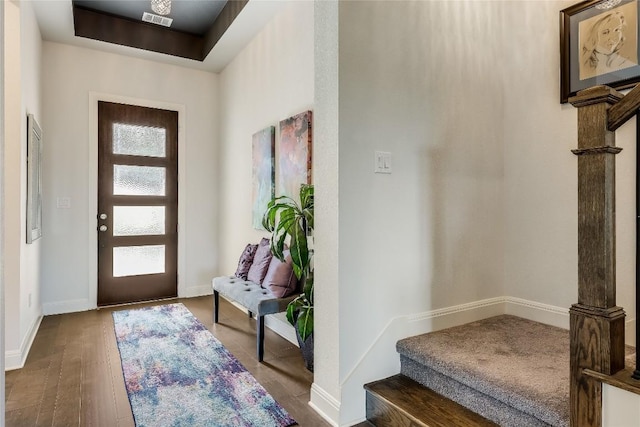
(597, 324)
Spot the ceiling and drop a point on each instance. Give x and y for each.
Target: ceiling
(190, 16)
(205, 34)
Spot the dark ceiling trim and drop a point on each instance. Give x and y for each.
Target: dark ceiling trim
(114, 29)
(109, 28)
(227, 15)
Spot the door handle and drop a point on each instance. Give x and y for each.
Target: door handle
(103, 216)
(103, 228)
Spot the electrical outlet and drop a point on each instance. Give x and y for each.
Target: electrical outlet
(63, 203)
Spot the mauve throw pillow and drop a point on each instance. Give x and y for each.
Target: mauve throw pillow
(280, 279)
(261, 262)
(245, 261)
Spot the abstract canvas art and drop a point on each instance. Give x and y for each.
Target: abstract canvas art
(294, 159)
(263, 148)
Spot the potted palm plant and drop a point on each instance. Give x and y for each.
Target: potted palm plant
(292, 222)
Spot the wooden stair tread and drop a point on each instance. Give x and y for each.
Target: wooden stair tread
(401, 401)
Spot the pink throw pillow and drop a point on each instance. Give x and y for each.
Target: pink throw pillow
(261, 262)
(280, 279)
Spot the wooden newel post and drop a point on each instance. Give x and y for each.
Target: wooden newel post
(597, 324)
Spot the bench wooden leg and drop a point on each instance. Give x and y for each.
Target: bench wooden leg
(260, 337)
(216, 306)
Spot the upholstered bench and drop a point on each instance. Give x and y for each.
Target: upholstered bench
(256, 299)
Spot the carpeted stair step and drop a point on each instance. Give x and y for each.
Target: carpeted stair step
(512, 371)
(400, 401)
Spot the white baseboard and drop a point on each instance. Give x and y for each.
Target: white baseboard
(69, 306)
(197, 291)
(73, 306)
(538, 312)
(276, 322)
(14, 359)
(279, 324)
(324, 404)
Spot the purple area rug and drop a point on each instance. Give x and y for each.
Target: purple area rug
(178, 374)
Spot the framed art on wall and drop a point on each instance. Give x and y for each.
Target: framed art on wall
(263, 147)
(294, 159)
(34, 180)
(598, 46)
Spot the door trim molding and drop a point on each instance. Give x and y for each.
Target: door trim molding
(92, 197)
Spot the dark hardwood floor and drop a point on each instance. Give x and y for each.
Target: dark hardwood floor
(73, 376)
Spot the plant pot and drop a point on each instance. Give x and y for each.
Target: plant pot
(307, 350)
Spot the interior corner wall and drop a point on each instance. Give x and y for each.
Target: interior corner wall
(21, 272)
(271, 79)
(12, 173)
(541, 172)
(31, 254)
(325, 391)
(72, 74)
(540, 198)
(2, 309)
(418, 80)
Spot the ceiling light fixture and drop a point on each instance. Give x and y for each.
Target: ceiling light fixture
(161, 7)
(608, 4)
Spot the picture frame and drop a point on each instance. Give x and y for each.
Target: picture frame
(294, 154)
(34, 179)
(263, 173)
(599, 46)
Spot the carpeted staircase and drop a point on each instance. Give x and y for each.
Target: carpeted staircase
(510, 371)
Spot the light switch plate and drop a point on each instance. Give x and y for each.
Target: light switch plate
(382, 161)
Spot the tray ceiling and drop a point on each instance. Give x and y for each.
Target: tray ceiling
(205, 34)
(196, 28)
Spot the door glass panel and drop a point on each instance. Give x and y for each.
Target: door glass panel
(137, 260)
(139, 140)
(138, 220)
(139, 180)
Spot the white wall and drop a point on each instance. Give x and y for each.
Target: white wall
(270, 80)
(22, 262)
(11, 202)
(72, 77)
(620, 408)
(480, 204)
(2, 139)
(325, 391)
(430, 235)
(30, 261)
(541, 172)
(482, 199)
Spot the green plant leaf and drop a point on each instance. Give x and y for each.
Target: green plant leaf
(306, 195)
(293, 309)
(287, 219)
(269, 217)
(305, 322)
(307, 287)
(299, 249)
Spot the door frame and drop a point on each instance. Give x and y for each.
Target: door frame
(92, 197)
